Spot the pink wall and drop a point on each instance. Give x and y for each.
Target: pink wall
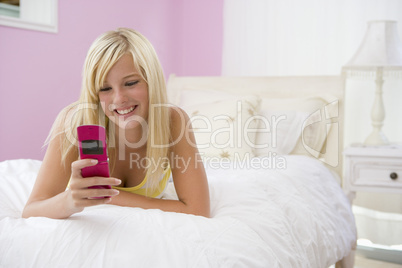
(40, 72)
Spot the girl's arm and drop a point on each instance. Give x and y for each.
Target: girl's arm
(49, 197)
(188, 172)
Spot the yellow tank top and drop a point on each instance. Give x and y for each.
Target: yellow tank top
(141, 188)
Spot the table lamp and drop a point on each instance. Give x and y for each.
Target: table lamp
(379, 55)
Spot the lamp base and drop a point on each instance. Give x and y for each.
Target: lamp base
(376, 138)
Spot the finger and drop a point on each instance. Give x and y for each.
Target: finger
(93, 193)
(76, 166)
(92, 202)
(102, 193)
(83, 183)
(94, 181)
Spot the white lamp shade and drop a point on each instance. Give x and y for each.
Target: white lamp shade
(381, 47)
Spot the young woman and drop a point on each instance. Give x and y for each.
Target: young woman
(123, 90)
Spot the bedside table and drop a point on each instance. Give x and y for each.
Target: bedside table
(372, 169)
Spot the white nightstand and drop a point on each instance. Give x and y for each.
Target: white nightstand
(373, 169)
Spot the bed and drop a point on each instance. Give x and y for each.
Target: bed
(270, 146)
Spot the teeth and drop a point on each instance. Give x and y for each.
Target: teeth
(125, 111)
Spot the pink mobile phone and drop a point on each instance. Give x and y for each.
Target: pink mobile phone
(92, 144)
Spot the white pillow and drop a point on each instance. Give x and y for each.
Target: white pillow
(292, 117)
(278, 131)
(225, 128)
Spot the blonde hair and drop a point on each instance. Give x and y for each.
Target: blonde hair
(105, 51)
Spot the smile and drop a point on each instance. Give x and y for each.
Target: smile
(126, 111)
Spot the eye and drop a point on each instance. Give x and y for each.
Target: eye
(105, 89)
(132, 83)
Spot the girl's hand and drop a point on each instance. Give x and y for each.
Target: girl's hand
(79, 196)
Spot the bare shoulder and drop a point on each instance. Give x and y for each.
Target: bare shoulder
(179, 122)
(182, 135)
(60, 137)
(178, 115)
(65, 116)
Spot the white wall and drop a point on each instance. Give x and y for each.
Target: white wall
(297, 37)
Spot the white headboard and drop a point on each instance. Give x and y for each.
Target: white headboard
(331, 87)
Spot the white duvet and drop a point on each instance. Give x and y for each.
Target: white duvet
(292, 217)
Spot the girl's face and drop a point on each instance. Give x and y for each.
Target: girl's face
(124, 95)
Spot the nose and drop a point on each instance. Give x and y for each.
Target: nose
(120, 96)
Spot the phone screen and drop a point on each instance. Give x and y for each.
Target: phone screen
(92, 147)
